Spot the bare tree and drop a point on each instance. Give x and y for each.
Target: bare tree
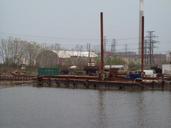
(7, 50)
(32, 49)
(55, 47)
(3, 49)
(16, 51)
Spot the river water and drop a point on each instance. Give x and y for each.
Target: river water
(31, 107)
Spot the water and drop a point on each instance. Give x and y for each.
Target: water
(30, 107)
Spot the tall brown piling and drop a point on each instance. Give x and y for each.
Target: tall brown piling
(101, 73)
(142, 45)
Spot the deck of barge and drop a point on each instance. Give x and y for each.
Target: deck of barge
(92, 82)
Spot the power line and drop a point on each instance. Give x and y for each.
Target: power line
(64, 38)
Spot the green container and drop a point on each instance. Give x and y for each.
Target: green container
(48, 71)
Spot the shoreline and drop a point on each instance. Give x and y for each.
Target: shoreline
(6, 84)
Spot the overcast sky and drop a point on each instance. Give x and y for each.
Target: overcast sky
(77, 21)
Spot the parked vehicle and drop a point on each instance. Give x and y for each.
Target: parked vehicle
(134, 76)
(150, 73)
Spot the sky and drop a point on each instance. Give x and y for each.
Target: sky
(71, 22)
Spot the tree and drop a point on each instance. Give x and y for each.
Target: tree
(32, 49)
(16, 51)
(11, 50)
(114, 61)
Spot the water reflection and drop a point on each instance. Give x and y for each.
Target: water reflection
(140, 118)
(102, 119)
(130, 104)
(29, 107)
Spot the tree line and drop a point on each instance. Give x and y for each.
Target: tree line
(14, 51)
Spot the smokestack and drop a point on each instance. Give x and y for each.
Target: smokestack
(141, 13)
(142, 7)
(141, 34)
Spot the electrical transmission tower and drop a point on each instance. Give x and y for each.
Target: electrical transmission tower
(149, 47)
(89, 52)
(146, 52)
(113, 46)
(105, 44)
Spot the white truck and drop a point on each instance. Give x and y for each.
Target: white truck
(150, 73)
